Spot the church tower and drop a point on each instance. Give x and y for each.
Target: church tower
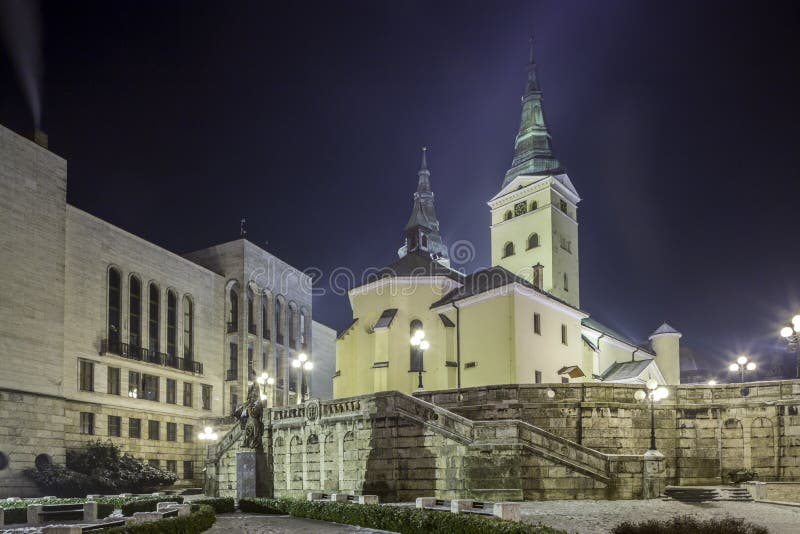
(422, 229)
(534, 230)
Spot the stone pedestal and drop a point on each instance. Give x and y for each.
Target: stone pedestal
(251, 474)
(653, 475)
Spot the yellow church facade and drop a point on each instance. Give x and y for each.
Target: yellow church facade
(420, 324)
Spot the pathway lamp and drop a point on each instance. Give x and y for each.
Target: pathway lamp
(418, 340)
(655, 394)
(791, 334)
(265, 383)
(304, 365)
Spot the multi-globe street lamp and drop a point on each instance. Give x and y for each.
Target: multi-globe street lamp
(265, 381)
(207, 434)
(742, 364)
(418, 340)
(303, 364)
(654, 393)
(792, 336)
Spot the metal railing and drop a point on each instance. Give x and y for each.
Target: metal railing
(266, 333)
(142, 354)
(279, 339)
(251, 329)
(232, 326)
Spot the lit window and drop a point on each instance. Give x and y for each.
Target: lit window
(416, 352)
(133, 385)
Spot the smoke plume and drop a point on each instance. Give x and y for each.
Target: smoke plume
(20, 27)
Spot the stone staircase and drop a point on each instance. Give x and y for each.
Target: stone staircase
(707, 494)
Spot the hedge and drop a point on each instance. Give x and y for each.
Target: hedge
(405, 520)
(200, 520)
(148, 504)
(221, 505)
(727, 525)
(17, 511)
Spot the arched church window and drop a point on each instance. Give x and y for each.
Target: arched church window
(135, 312)
(114, 289)
(416, 352)
(233, 314)
(508, 249)
(534, 205)
(424, 242)
(533, 241)
(154, 317)
(508, 215)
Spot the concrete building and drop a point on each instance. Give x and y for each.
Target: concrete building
(517, 322)
(105, 335)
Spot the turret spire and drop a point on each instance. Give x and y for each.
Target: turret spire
(422, 229)
(532, 149)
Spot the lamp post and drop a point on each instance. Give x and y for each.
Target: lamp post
(265, 381)
(654, 393)
(742, 364)
(207, 434)
(418, 340)
(792, 336)
(303, 364)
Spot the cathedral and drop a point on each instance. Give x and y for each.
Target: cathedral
(419, 324)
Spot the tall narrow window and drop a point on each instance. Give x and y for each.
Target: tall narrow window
(279, 320)
(564, 334)
(302, 330)
(155, 322)
(153, 430)
(188, 433)
(134, 428)
(171, 391)
(172, 320)
(534, 205)
(251, 370)
(188, 329)
(290, 326)
(562, 204)
(113, 381)
(508, 215)
(114, 426)
(537, 324)
(206, 397)
(533, 241)
(187, 394)
(86, 375)
(233, 359)
(172, 431)
(150, 386)
(188, 470)
(508, 249)
(133, 385)
(265, 333)
(416, 352)
(87, 423)
(251, 318)
(135, 314)
(114, 305)
(537, 377)
(566, 282)
(233, 315)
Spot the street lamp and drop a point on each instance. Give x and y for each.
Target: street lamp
(792, 336)
(207, 434)
(265, 381)
(712, 382)
(654, 393)
(418, 340)
(303, 364)
(742, 364)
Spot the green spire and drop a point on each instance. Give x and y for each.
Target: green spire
(532, 149)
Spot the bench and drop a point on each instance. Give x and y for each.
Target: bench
(341, 497)
(42, 513)
(504, 510)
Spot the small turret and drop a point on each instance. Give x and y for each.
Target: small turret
(667, 346)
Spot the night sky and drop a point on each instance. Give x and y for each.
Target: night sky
(677, 122)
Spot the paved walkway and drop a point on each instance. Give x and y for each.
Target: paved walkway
(279, 524)
(598, 517)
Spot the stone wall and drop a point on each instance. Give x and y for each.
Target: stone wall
(392, 445)
(703, 431)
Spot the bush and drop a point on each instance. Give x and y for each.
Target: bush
(221, 505)
(148, 504)
(405, 520)
(200, 520)
(99, 468)
(728, 525)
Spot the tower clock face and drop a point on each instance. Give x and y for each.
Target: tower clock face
(520, 208)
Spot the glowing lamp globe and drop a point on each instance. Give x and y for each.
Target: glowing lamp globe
(296, 364)
(302, 356)
(208, 430)
(751, 366)
(741, 360)
(733, 367)
(270, 381)
(308, 366)
(415, 341)
(661, 393)
(652, 384)
(263, 397)
(424, 345)
(639, 395)
(786, 331)
(712, 382)
(551, 394)
(796, 320)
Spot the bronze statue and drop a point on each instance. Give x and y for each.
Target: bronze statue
(249, 415)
